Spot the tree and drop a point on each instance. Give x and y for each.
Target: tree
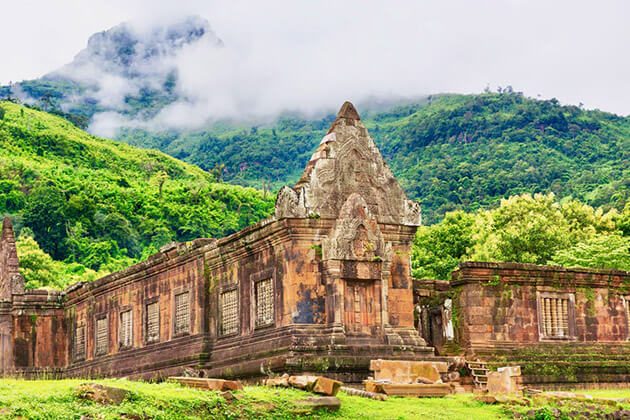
(525, 228)
(600, 251)
(160, 179)
(439, 248)
(45, 214)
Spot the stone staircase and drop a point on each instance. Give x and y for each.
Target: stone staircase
(479, 372)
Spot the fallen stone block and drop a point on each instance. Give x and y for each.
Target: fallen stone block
(510, 370)
(406, 371)
(318, 403)
(305, 382)
(277, 381)
(423, 380)
(209, 384)
(415, 390)
(102, 394)
(364, 394)
(229, 396)
(326, 386)
(502, 383)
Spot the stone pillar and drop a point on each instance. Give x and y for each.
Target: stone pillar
(11, 283)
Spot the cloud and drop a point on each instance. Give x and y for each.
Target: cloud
(309, 56)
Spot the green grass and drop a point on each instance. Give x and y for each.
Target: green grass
(56, 400)
(43, 399)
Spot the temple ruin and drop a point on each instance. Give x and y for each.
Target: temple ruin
(324, 285)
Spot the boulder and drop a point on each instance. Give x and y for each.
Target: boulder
(102, 394)
(326, 386)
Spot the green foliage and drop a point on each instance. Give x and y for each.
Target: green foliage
(438, 248)
(527, 229)
(450, 152)
(40, 270)
(601, 251)
(99, 205)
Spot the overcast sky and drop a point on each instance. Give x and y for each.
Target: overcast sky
(322, 51)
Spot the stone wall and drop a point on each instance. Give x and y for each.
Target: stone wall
(323, 286)
(562, 325)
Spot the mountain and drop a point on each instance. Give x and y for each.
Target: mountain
(449, 151)
(126, 70)
(100, 204)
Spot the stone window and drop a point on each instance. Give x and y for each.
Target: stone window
(79, 342)
(555, 315)
(229, 312)
(264, 302)
(152, 322)
(126, 329)
(102, 336)
(182, 313)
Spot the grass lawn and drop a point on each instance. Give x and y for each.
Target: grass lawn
(58, 400)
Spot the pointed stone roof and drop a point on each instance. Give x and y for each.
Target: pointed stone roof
(347, 162)
(348, 111)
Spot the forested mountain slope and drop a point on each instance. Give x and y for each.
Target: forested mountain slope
(101, 205)
(451, 152)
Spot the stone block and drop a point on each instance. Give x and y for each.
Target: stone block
(326, 386)
(102, 394)
(305, 382)
(407, 371)
(277, 381)
(210, 384)
(511, 370)
(319, 403)
(416, 390)
(502, 383)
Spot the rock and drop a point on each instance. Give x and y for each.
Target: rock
(326, 386)
(229, 396)
(102, 394)
(277, 381)
(453, 376)
(486, 399)
(305, 382)
(502, 383)
(232, 386)
(317, 403)
(208, 383)
(364, 394)
(423, 380)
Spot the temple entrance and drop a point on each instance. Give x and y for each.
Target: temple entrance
(360, 308)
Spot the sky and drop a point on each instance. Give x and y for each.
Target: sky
(312, 55)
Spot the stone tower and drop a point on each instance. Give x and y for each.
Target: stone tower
(366, 254)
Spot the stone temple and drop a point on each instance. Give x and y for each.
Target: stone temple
(322, 286)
